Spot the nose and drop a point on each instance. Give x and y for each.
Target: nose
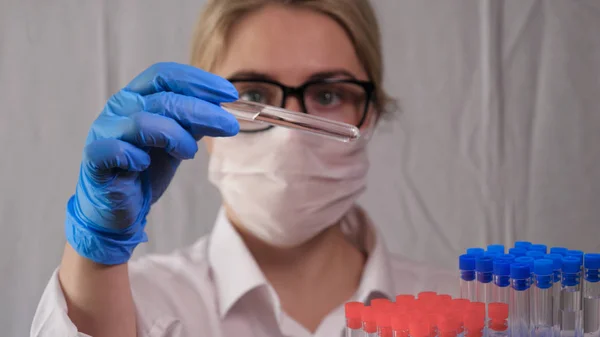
(293, 103)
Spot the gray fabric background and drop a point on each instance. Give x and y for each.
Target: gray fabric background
(498, 138)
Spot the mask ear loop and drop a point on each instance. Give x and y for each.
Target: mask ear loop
(366, 133)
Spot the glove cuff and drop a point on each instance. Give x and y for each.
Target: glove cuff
(101, 246)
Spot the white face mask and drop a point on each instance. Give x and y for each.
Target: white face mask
(285, 186)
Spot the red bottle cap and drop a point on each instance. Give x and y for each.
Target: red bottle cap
(353, 314)
(399, 320)
(369, 319)
(419, 328)
(498, 313)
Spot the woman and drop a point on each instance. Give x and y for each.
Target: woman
(289, 246)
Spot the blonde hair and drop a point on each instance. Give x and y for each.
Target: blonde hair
(357, 17)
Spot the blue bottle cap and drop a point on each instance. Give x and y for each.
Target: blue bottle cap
(543, 267)
(556, 259)
(535, 254)
(519, 271)
(496, 248)
(507, 257)
(591, 261)
(501, 267)
(466, 262)
(539, 248)
(493, 255)
(517, 252)
(475, 251)
(592, 267)
(576, 253)
(559, 250)
(484, 264)
(570, 265)
(523, 244)
(526, 260)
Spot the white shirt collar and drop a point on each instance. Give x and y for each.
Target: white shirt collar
(236, 273)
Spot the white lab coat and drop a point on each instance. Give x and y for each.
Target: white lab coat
(215, 288)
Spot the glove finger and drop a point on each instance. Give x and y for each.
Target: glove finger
(110, 153)
(184, 80)
(148, 130)
(199, 117)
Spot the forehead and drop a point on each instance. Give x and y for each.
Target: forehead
(289, 44)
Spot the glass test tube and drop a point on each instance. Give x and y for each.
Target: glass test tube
(571, 317)
(520, 278)
(591, 295)
(467, 276)
(484, 268)
(541, 313)
(501, 289)
(253, 112)
(557, 266)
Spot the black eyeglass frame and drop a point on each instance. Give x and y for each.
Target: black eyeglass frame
(298, 92)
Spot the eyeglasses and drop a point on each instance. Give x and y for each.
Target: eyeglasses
(341, 100)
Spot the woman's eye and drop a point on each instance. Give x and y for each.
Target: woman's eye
(253, 96)
(327, 98)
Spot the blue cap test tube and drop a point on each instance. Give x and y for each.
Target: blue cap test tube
(578, 254)
(501, 289)
(559, 250)
(484, 270)
(591, 295)
(466, 264)
(519, 305)
(496, 248)
(556, 267)
(529, 262)
(517, 252)
(539, 248)
(571, 310)
(507, 257)
(541, 307)
(493, 255)
(535, 254)
(475, 251)
(523, 244)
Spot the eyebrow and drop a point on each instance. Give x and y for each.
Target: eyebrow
(243, 75)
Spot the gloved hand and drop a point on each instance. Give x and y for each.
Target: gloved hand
(133, 150)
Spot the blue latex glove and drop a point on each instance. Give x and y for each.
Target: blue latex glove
(133, 150)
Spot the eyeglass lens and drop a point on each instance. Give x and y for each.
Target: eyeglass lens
(338, 101)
